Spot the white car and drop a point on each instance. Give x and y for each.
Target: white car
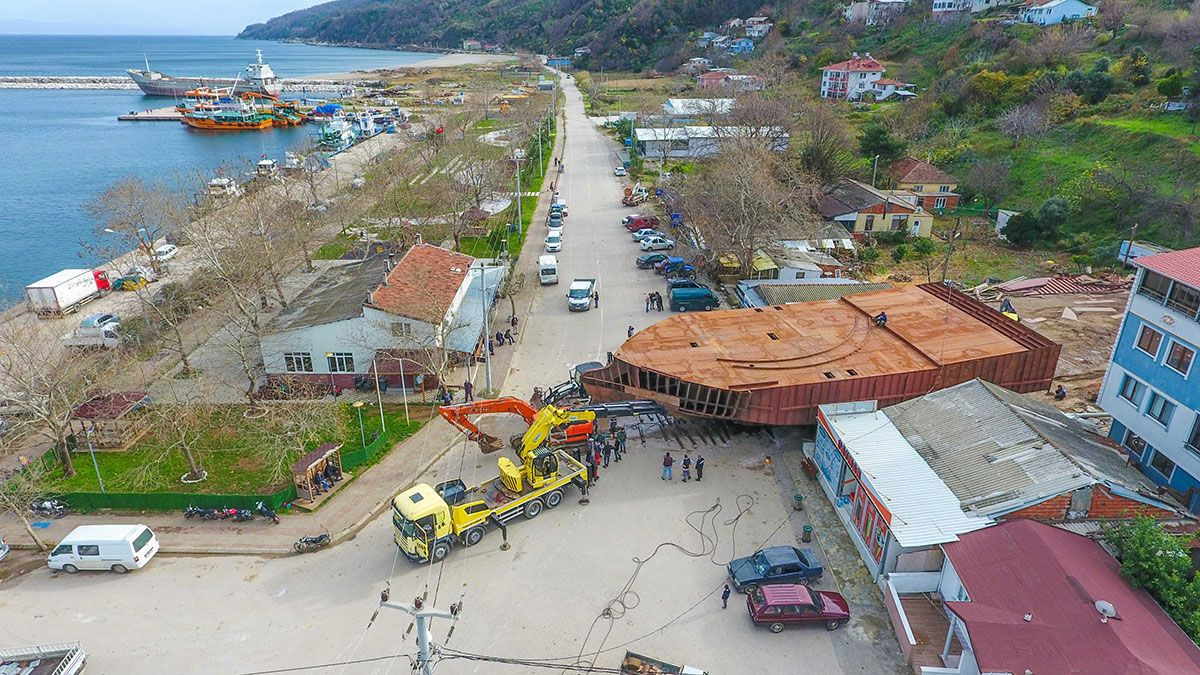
(166, 252)
(620, 171)
(646, 232)
(555, 231)
(553, 243)
(657, 243)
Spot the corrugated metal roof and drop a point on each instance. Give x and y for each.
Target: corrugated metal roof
(468, 324)
(924, 511)
(999, 450)
(336, 295)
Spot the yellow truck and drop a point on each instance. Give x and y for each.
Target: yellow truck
(430, 520)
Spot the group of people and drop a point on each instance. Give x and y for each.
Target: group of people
(602, 448)
(668, 464)
(324, 479)
(654, 301)
(504, 337)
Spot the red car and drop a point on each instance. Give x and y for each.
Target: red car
(777, 605)
(635, 222)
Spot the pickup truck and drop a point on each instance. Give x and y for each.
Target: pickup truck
(105, 336)
(579, 295)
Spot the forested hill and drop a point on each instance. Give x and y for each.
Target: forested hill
(621, 33)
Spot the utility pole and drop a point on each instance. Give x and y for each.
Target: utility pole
(487, 329)
(1129, 247)
(517, 161)
(874, 166)
(421, 616)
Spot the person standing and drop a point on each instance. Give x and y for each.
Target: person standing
(649, 301)
(687, 467)
(596, 298)
(468, 392)
(620, 442)
(593, 465)
(699, 468)
(725, 597)
(616, 443)
(513, 321)
(491, 346)
(606, 450)
(629, 333)
(668, 462)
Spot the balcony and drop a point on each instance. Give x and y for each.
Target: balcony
(921, 623)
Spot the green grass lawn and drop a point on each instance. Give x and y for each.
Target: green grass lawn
(335, 249)
(231, 449)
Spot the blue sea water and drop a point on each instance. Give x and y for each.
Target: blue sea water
(61, 148)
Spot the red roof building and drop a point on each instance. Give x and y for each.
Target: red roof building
(1182, 266)
(934, 187)
(1033, 598)
(423, 284)
(851, 79)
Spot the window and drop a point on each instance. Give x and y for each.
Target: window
(402, 329)
(89, 549)
(1149, 340)
(297, 362)
(340, 362)
(869, 224)
(1160, 409)
(918, 188)
(939, 203)
(943, 188)
(1184, 299)
(1136, 444)
(1154, 286)
(1179, 358)
(142, 539)
(1162, 464)
(64, 549)
(1132, 390)
(899, 222)
(1193, 438)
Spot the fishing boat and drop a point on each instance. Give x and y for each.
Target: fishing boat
(258, 77)
(229, 115)
(336, 134)
(203, 98)
(286, 115)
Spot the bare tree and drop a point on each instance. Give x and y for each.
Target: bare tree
(990, 179)
(132, 215)
(293, 429)
(1022, 121)
(821, 144)
(19, 491)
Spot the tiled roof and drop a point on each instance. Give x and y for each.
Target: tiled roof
(1023, 568)
(110, 406)
(894, 83)
(1182, 266)
(423, 284)
(910, 170)
(860, 65)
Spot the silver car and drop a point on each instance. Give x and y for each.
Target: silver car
(646, 232)
(657, 243)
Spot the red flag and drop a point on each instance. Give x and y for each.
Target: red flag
(438, 130)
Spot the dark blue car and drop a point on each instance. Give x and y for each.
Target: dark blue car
(775, 565)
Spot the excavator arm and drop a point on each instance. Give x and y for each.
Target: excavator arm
(460, 417)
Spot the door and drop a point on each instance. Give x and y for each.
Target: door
(64, 554)
(89, 557)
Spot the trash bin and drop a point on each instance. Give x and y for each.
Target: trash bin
(798, 503)
(806, 537)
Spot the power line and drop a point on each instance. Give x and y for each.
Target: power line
(296, 669)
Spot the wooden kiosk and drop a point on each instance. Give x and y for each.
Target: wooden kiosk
(307, 473)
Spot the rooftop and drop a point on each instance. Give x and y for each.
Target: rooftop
(111, 406)
(999, 451)
(1022, 568)
(1182, 266)
(911, 170)
(698, 106)
(846, 195)
(799, 343)
(339, 295)
(423, 284)
(923, 511)
(774, 292)
(862, 64)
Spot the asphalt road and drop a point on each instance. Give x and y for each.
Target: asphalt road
(546, 597)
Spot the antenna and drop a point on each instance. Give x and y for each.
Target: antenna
(1106, 610)
(147, 58)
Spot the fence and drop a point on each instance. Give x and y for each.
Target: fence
(171, 501)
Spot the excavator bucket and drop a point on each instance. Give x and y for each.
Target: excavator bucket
(488, 444)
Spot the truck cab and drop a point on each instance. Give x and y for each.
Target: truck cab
(421, 519)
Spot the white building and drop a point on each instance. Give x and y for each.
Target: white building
(850, 80)
(1056, 12)
(698, 107)
(701, 141)
(876, 12)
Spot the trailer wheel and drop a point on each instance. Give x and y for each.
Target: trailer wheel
(473, 536)
(533, 508)
(440, 551)
(554, 499)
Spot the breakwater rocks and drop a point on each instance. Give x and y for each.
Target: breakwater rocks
(79, 82)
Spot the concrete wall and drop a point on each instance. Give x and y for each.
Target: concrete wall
(361, 336)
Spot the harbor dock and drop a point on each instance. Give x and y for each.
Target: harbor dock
(167, 114)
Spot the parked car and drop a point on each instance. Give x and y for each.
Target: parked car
(166, 252)
(774, 565)
(555, 230)
(560, 204)
(555, 219)
(779, 605)
(119, 548)
(657, 243)
(686, 299)
(98, 320)
(649, 260)
(620, 171)
(638, 221)
(646, 232)
(553, 243)
(669, 264)
(684, 282)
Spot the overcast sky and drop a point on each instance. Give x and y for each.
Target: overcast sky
(155, 17)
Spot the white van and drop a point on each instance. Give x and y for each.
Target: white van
(548, 269)
(119, 548)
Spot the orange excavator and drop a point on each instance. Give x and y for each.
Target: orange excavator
(552, 426)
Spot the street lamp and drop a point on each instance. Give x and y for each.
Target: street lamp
(92, 451)
(358, 406)
(329, 365)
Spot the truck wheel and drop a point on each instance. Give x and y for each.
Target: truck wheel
(554, 499)
(473, 536)
(832, 625)
(440, 551)
(751, 588)
(533, 508)
(70, 569)
(776, 627)
(120, 569)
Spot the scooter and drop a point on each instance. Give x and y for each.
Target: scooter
(242, 515)
(49, 507)
(307, 544)
(199, 512)
(267, 512)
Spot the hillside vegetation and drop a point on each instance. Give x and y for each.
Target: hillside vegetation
(621, 33)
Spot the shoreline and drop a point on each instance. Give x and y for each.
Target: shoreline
(454, 60)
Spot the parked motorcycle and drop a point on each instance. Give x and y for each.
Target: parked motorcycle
(307, 544)
(199, 512)
(267, 512)
(48, 507)
(242, 515)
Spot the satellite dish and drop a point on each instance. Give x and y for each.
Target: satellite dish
(1106, 610)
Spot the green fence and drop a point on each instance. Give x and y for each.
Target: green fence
(171, 501)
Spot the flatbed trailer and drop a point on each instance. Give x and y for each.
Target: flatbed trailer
(64, 658)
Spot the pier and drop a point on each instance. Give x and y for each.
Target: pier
(123, 82)
(167, 114)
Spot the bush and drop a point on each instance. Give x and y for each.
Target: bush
(878, 140)
(924, 247)
(1157, 561)
(900, 253)
(869, 254)
(1172, 85)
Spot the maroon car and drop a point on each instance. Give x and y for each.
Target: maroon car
(777, 605)
(635, 222)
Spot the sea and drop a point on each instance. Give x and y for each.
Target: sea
(59, 149)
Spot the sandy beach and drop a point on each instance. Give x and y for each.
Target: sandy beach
(434, 61)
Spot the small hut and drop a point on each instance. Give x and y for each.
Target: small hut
(318, 473)
(110, 421)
